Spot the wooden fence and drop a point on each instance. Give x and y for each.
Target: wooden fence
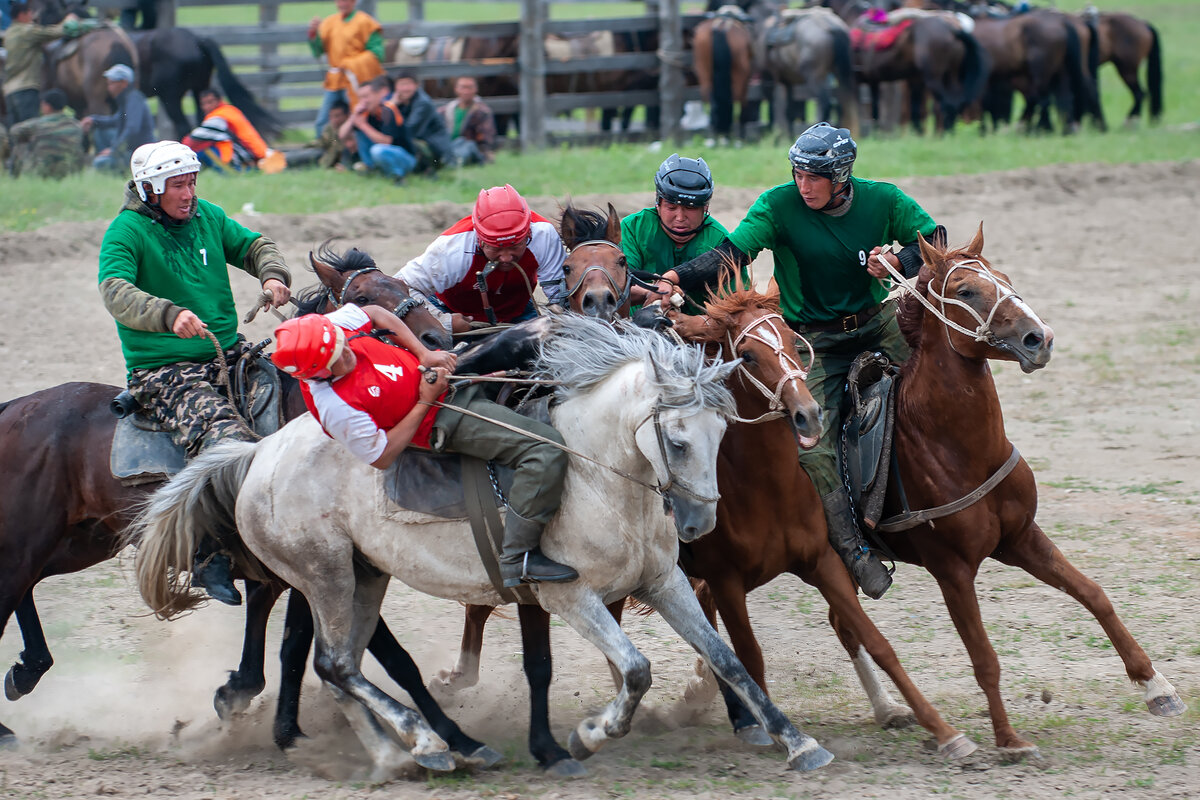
(273, 75)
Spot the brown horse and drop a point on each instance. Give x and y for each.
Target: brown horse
(769, 521)
(1126, 42)
(597, 279)
(723, 59)
(950, 441)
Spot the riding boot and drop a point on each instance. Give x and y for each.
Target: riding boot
(212, 572)
(866, 568)
(522, 561)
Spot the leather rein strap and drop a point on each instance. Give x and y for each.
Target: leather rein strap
(911, 519)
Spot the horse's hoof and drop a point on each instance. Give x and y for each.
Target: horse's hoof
(566, 768)
(577, 748)
(755, 736)
(1011, 755)
(484, 758)
(442, 761)
(809, 760)
(10, 685)
(286, 739)
(958, 747)
(1170, 705)
(896, 717)
(229, 702)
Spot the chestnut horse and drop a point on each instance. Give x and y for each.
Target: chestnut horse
(723, 59)
(950, 440)
(598, 281)
(769, 521)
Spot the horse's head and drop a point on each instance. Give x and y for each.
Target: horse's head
(983, 315)
(747, 325)
(598, 281)
(353, 277)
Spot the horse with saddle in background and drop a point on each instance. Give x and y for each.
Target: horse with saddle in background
(77, 66)
(63, 509)
(723, 58)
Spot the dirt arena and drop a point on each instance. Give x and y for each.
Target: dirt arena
(1112, 428)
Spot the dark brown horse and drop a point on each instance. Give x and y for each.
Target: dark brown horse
(597, 278)
(769, 521)
(1126, 42)
(950, 440)
(723, 59)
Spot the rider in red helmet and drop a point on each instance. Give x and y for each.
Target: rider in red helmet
(486, 266)
(370, 396)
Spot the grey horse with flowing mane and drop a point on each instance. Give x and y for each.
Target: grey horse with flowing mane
(643, 419)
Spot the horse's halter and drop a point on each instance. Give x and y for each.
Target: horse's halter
(401, 311)
(673, 481)
(982, 333)
(621, 293)
(791, 369)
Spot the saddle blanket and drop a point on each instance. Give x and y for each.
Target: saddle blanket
(877, 40)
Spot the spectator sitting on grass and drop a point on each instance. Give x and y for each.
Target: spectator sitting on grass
(471, 124)
(225, 139)
(426, 128)
(117, 135)
(50, 146)
(377, 127)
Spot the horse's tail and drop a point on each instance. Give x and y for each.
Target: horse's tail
(974, 70)
(197, 502)
(1154, 76)
(1076, 79)
(1093, 53)
(722, 91)
(843, 72)
(263, 120)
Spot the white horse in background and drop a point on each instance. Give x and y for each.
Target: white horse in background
(320, 520)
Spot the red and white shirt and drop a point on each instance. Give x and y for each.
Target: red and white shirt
(359, 408)
(449, 266)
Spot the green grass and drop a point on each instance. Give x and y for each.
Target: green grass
(561, 172)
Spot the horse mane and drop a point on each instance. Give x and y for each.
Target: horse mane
(580, 352)
(586, 226)
(722, 309)
(910, 314)
(350, 261)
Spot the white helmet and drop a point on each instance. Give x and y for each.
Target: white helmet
(157, 161)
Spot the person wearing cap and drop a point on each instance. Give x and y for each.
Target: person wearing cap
(23, 42)
(352, 43)
(117, 135)
(826, 229)
(676, 229)
(164, 278)
(502, 247)
(369, 396)
(50, 146)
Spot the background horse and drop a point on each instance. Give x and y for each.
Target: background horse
(723, 59)
(950, 439)
(1126, 42)
(617, 384)
(77, 67)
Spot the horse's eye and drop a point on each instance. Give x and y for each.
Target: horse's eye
(747, 356)
(679, 448)
(566, 269)
(362, 300)
(621, 261)
(965, 293)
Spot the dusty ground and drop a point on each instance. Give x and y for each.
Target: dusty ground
(1104, 253)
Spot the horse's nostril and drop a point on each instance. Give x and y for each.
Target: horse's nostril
(1032, 340)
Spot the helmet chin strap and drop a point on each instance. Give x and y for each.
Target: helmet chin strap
(838, 197)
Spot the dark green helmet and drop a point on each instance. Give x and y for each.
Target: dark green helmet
(685, 181)
(826, 151)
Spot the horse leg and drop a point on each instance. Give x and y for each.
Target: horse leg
(535, 646)
(466, 670)
(35, 659)
(674, 601)
(293, 658)
(1033, 552)
(404, 671)
(1129, 74)
(729, 598)
(868, 647)
(171, 100)
(248, 681)
(346, 610)
(916, 106)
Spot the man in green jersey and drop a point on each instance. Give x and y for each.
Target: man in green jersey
(678, 228)
(826, 230)
(164, 279)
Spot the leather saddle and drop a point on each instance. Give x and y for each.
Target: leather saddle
(142, 450)
(869, 416)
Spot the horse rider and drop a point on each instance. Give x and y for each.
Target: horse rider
(352, 42)
(676, 229)
(23, 42)
(826, 230)
(485, 267)
(370, 396)
(164, 279)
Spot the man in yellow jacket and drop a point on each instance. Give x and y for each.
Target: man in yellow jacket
(352, 41)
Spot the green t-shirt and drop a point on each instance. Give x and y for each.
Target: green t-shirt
(648, 247)
(820, 260)
(185, 264)
(460, 114)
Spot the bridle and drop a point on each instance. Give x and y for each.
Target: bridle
(401, 311)
(621, 293)
(791, 369)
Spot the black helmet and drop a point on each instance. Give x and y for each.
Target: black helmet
(686, 181)
(826, 151)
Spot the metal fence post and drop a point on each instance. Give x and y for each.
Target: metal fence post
(532, 61)
(670, 80)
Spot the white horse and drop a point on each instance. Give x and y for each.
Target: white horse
(320, 520)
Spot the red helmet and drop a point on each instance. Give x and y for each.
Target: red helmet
(501, 217)
(306, 347)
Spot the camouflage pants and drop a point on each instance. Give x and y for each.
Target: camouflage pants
(187, 399)
(835, 352)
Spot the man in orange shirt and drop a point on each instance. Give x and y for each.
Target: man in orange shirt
(352, 41)
(225, 139)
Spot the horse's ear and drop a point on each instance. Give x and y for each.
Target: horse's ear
(613, 233)
(567, 226)
(725, 369)
(929, 254)
(975, 248)
(325, 273)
